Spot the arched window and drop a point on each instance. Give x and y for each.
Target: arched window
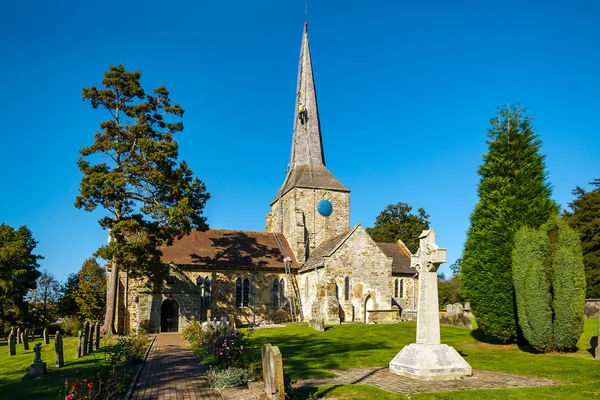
(207, 289)
(347, 288)
(246, 291)
(275, 293)
(199, 282)
(401, 288)
(238, 292)
(282, 298)
(396, 288)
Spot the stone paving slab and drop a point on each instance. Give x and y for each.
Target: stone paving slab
(172, 372)
(383, 379)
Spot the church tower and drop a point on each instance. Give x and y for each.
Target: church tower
(311, 205)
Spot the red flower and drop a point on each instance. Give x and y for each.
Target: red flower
(90, 384)
(75, 385)
(70, 397)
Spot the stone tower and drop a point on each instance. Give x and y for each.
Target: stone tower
(308, 187)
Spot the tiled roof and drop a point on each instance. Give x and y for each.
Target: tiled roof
(401, 258)
(310, 176)
(218, 248)
(318, 255)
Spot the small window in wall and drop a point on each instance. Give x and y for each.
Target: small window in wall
(347, 288)
(401, 288)
(282, 299)
(246, 291)
(396, 288)
(275, 293)
(199, 282)
(238, 292)
(207, 290)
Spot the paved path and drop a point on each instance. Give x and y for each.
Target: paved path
(172, 372)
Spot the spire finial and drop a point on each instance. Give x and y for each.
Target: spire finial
(305, 17)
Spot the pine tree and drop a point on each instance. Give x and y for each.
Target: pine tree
(584, 217)
(513, 192)
(148, 196)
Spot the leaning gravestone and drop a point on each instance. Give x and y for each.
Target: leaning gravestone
(272, 364)
(12, 345)
(58, 348)
(46, 337)
(97, 336)
(428, 358)
(38, 368)
(25, 340)
(19, 341)
(79, 344)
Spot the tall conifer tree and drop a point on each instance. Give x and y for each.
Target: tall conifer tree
(513, 192)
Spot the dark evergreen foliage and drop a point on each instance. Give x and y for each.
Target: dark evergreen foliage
(513, 192)
(584, 217)
(67, 306)
(397, 222)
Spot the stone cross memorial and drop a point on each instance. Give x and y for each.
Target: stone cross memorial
(58, 348)
(428, 358)
(12, 345)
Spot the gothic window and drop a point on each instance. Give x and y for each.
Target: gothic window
(347, 289)
(246, 291)
(401, 288)
(282, 298)
(199, 282)
(207, 289)
(396, 288)
(275, 293)
(238, 292)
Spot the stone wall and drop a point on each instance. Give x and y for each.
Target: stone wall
(301, 218)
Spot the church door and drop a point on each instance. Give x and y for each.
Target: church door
(368, 306)
(169, 316)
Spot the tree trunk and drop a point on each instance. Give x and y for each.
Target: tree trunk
(111, 301)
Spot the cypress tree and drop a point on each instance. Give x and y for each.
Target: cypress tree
(513, 192)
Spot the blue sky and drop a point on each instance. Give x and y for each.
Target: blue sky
(405, 89)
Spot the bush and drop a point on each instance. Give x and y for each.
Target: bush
(145, 327)
(70, 326)
(129, 350)
(230, 348)
(227, 378)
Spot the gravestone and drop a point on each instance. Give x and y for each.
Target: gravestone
(19, 337)
(272, 364)
(317, 324)
(25, 340)
(429, 358)
(97, 336)
(12, 345)
(86, 336)
(38, 368)
(231, 323)
(58, 349)
(79, 344)
(46, 337)
(90, 342)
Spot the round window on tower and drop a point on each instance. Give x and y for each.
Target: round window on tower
(325, 208)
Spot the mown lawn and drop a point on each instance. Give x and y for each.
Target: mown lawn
(309, 354)
(15, 385)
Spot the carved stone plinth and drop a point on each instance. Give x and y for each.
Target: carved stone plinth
(430, 361)
(38, 369)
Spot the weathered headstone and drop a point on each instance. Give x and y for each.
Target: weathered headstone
(428, 358)
(25, 340)
(58, 348)
(12, 345)
(317, 324)
(19, 337)
(46, 337)
(272, 364)
(79, 344)
(97, 336)
(231, 323)
(86, 336)
(38, 368)
(90, 342)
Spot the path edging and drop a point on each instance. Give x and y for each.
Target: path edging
(139, 371)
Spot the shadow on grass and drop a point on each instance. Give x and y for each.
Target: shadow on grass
(593, 345)
(480, 336)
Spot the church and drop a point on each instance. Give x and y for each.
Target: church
(308, 264)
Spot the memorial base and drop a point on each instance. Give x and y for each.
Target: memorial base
(38, 369)
(430, 361)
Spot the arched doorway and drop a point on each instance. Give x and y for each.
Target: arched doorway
(169, 316)
(368, 306)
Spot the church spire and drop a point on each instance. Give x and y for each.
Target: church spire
(307, 145)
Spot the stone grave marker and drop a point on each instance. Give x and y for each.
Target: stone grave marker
(38, 368)
(12, 345)
(46, 337)
(86, 336)
(317, 324)
(272, 363)
(25, 340)
(58, 349)
(79, 344)
(90, 342)
(97, 336)
(429, 358)
(19, 337)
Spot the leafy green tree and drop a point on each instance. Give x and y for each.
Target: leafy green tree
(66, 305)
(90, 294)
(513, 192)
(397, 222)
(449, 292)
(149, 197)
(18, 269)
(584, 217)
(42, 300)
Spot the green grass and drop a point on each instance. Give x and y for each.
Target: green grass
(310, 354)
(15, 385)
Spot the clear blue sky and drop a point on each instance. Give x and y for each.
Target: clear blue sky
(406, 91)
